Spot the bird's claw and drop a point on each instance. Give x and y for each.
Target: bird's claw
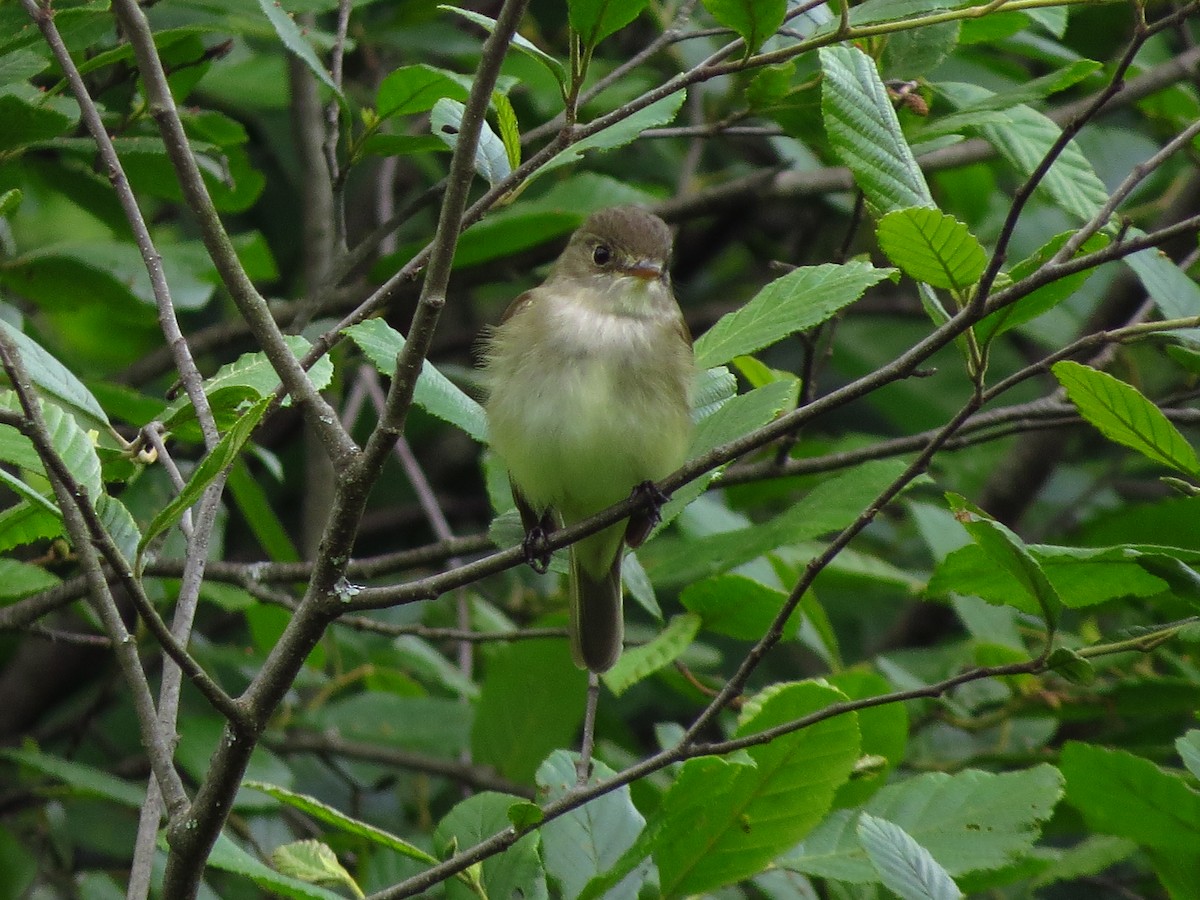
(642, 522)
(537, 555)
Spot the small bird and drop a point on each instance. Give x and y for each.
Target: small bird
(589, 378)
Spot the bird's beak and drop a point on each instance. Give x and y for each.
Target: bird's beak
(645, 269)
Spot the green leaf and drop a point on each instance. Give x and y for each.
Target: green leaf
(491, 157)
(19, 580)
(84, 780)
(802, 298)
(1081, 576)
(524, 45)
(724, 821)
(1122, 414)
(905, 867)
(660, 112)
(865, 133)
(10, 201)
(120, 525)
(594, 20)
(736, 606)
(1173, 291)
(830, 506)
(1024, 141)
(68, 439)
(639, 663)
(587, 842)
(754, 20)
(1126, 795)
(293, 38)
(1008, 552)
(1188, 748)
(314, 862)
(255, 508)
(248, 378)
(435, 393)
(516, 737)
(510, 129)
(222, 456)
(1042, 299)
(971, 821)
(932, 246)
(231, 857)
(737, 416)
(339, 820)
(517, 872)
(415, 89)
(1073, 667)
(56, 382)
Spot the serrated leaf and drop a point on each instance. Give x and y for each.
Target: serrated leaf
(736, 606)
(56, 382)
(231, 857)
(801, 299)
(722, 821)
(248, 378)
(216, 461)
(971, 821)
(1122, 414)
(312, 861)
(293, 39)
(415, 89)
(491, 158)
(754, 20)
(865, 133)
(330, 816)
(639, 663)
(19, 580)
(1024, 141)
(594, 20)
(588, 841)
(435, 393)
(932, 246)
(1123, 794)
(1007, 551)
(517, 872)
(660, 112)
(904, 866)
(525, 46)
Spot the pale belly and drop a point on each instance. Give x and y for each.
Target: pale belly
(579, 436)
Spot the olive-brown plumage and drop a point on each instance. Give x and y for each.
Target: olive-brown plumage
(588, 380)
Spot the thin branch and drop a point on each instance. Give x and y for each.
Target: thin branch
(250, 303)
(480, 777)
(72, 500)
(681, 752)
(43, 16)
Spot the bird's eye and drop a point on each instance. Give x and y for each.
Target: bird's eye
(601, 255)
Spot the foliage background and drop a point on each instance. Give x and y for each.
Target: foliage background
(958, 583)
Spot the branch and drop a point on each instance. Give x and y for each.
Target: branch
(681, 752)
(250, 303)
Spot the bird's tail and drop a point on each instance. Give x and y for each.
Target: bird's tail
(597, 626)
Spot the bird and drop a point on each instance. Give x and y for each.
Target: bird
(588, 380)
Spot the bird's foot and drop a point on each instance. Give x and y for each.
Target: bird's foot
(642, 522)
(537, 554)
